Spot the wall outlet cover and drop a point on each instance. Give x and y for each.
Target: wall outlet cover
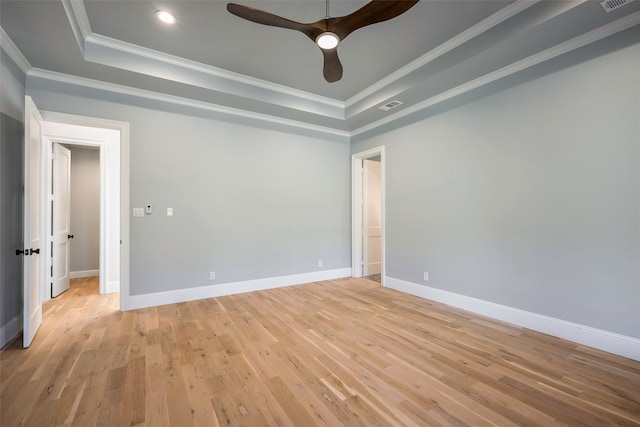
(138, 212)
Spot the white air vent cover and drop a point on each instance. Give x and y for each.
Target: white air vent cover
(389, 105)
(610, 5)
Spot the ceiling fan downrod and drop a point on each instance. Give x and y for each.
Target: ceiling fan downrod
(327, 40)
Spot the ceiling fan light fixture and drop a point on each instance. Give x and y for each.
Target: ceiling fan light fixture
(327, 40)
(165, 17)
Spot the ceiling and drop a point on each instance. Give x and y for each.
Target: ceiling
(428, 56)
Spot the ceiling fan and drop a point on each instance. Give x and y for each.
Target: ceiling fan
(328, 32)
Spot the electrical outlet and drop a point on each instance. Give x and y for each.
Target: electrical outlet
(148, 209)
(212, 275)
(169, 211)
(320, 263)
(425, 276)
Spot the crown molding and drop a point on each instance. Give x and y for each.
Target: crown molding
(108, 51)
(469, 34)
(112, 52)
(79, 21)
(36, 73)
(116, 53)
(13, 52)
(545, 55)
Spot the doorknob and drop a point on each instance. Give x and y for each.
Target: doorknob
(69, 236)
(34, 251)
(19, 252)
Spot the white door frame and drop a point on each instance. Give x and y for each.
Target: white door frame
(356, 210)
(107, 163)
(63, 133)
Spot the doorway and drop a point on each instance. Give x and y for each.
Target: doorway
(368, 214)
(75, 252)
(112, 140)
(106, 142)
(372, 219)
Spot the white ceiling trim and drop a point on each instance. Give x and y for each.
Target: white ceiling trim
(108, 51)
(77, 15)
(572, 44)
(38, 73)
(469, 34)
(13, 52)
(117, 53)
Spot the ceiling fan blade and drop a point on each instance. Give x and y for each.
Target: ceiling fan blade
(266, 18)
(332, 67)
(371, 13)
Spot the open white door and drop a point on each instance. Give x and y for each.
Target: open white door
(371, 217)
(32, 314)
(61, 218)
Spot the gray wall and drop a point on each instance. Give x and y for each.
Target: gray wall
(249, 203)
(528, 198)
(12, 88)
(85, 208)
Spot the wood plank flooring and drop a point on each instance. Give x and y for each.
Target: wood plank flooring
(343, 352)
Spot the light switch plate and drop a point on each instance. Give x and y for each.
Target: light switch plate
(169, 211)
(138, 212)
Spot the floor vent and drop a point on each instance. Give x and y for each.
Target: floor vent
(610, 5)
(389, 105)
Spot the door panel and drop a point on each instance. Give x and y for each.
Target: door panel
(32, 317)
(61, 218)
(372, 217)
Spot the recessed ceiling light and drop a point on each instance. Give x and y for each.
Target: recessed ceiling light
(166, 17)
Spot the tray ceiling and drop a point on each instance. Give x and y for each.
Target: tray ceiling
(434, 53)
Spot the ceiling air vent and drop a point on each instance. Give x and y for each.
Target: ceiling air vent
(610, 5)
(389, 105)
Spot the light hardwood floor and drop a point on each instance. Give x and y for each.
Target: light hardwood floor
(342, 352)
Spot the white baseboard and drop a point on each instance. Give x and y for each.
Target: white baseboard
(83, 273)
(190, 294)
(10, 330)
(597, 338)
